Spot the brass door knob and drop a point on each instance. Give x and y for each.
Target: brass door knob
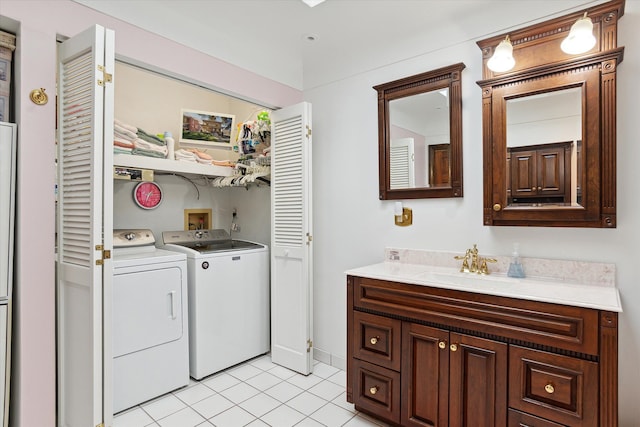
(549, 388)
(453, 347)
(373, 390)
(374, 340)
(497, 207)
(442, 344)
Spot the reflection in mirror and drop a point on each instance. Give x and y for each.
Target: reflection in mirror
(420, 135)
(544, 139)
(419, 151)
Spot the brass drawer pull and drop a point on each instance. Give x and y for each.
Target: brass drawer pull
(374, 340)
(549, 388)
(373, 390)
(442, 344)
(453, 347)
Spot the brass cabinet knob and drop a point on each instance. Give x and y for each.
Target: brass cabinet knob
(549, 388)
(374, 340)
(442, 344)
(373, 390)
(539, 188)
(533, 188)
(453, 347)
(497, 207)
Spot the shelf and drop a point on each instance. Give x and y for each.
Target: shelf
(172, 166)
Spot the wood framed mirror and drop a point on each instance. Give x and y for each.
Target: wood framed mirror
(549, 126)
(420, 135)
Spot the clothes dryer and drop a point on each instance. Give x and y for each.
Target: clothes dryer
(150, 326)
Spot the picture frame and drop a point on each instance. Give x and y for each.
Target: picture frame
(206, 128)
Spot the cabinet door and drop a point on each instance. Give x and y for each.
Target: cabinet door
(551, 171)
(478, 382)
(424, 375)
(524, 180)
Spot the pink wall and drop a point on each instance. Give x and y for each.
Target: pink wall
(40, 21)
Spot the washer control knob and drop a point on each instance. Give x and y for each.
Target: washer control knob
(198, 234)
(130, 236)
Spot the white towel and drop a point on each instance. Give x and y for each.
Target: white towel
(128, 127)
(144, 145)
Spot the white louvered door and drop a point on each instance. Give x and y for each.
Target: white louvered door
(401, 164)
(291, 239)
(85, 227)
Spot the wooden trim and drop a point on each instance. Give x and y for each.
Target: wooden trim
(608, 368)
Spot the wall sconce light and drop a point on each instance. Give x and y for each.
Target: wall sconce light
(502, 59)
(580, 38)
(403, 216)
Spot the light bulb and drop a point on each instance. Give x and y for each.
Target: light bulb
(502, 59)
(580, 38)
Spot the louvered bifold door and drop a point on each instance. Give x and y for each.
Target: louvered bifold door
(401, 164)
(291, 239)
(85, 102)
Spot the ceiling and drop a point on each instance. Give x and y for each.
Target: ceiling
(271, 37)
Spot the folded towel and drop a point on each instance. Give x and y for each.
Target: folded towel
(120, 150)
(203, 161)
(183, 154)
(144, 145)
(124, 133)
(125, 125)
(148, 153)
(123, 143)
(150, 138)
(223, 163)
(200, 154)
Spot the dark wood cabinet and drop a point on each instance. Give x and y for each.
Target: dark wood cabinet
(539, 173)
(423, 356)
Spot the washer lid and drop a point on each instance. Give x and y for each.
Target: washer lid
(125, 238)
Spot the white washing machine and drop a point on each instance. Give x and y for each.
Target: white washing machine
(150, 321)
(229, 315)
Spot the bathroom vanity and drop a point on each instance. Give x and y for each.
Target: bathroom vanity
(429, 346)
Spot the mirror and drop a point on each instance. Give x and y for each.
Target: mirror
(549, 126)
(420, 135)
(544, 146)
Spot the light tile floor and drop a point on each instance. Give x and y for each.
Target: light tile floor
(255, 393)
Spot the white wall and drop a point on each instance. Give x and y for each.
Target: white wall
(352, 227)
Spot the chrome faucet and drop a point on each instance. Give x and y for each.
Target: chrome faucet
(473, 263)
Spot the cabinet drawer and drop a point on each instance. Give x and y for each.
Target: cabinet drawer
(519, 419)
(564, 327)
(377, 339)
(376, 390)
(559, 388)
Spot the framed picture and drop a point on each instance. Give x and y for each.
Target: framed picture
(205, 128)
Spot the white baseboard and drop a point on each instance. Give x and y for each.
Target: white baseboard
(329, 359)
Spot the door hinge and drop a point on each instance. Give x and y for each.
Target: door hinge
(308, 132)
(309, 345)
(309, 238)
(106, 77)
(106, 254)
(100, 425)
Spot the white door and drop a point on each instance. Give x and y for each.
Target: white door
(401, 164)
(291, 245)
(85, 228)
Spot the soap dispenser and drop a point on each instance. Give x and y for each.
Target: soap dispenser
(515, 268)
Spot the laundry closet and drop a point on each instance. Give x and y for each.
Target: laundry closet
(101, 215)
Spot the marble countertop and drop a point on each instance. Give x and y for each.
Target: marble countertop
(558, 291)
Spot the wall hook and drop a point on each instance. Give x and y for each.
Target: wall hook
(38, 96)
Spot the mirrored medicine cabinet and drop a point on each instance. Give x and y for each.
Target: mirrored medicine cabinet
(549, 126)
(420, 135)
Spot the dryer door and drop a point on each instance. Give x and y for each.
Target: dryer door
(147, 307)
